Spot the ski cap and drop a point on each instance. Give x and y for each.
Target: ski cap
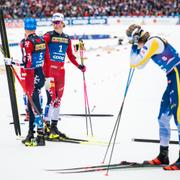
(58, 17)
(30, 24)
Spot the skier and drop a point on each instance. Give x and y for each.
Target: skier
(163, 54)
(33, 51)
(58, 44)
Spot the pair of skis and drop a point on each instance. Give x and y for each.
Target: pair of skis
(79, 141)
(69, 140)
(81, 115)
(98, 168)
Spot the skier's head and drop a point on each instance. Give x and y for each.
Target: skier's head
(135, 31)
(30, 24)
(58, 19)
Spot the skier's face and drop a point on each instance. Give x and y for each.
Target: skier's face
(140, 45)
(58, 25)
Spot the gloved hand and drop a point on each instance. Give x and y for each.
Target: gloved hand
(135, 39)
(8, 61)
(38, 121)
(48, 83)
(82, 67)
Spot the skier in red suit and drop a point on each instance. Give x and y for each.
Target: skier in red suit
(58, 45)
(33, 49)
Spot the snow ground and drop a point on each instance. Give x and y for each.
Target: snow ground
(106, 76)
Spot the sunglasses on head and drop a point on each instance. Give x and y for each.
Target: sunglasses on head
(57, 22)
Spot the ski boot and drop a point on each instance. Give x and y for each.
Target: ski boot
(47, 129)
(174, 166)
(38, 141)
(55, 134)
(161, 159)
(29, 138)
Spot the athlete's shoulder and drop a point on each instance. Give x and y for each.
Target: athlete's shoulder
(156, 44)
(28, 44)
(157, 39)
(22, 42)
(48, 33)
(47, 36)
(154, 41)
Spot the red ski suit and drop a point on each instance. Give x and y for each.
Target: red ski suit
(57, 47)
(33, 51)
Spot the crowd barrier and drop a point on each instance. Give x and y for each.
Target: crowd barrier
(145, 20)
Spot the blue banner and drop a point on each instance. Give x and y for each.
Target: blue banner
(90, 36)
(88, 21)
(68, 21)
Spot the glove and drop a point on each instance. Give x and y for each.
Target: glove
(48, 83)
(135, 39)
(82, 67)
(38, 121)
(8, 61)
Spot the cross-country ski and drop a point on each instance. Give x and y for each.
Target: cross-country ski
(99, 168)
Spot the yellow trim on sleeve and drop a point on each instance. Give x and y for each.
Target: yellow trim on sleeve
(153, 48)
(178, 91)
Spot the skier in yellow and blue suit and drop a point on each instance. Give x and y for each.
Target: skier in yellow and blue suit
(163, 54)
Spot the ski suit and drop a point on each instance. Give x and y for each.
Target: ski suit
(33, 51)
(57, 47)
(166, 57)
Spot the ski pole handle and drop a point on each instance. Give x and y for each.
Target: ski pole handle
(81, 49)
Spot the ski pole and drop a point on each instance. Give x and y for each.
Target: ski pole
(10, 78)
(127, 85)
(87, 106)
(81, 57)
(86, 102)
(116, 126)
(36, 111)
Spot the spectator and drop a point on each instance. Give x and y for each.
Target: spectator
(84, 8)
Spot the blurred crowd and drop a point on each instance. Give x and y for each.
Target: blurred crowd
(84, 8)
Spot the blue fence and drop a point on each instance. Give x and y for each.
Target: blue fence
(99, 21)
(68, 21)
